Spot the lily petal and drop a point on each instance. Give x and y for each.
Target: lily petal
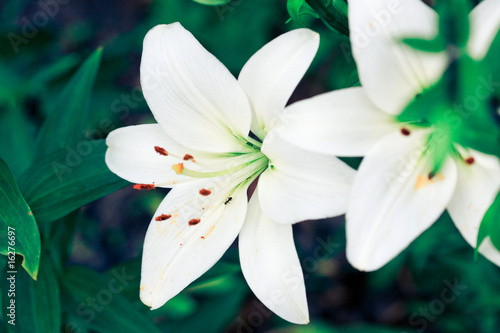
(271, 75)
(484, 25)
(392, 72)
(393, 199)
(301, 185)
(191, 94)
(271, 266)
(132, 156)
(193, 232)
(477, 187)
(343, 123)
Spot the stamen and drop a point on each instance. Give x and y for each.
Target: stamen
(144, 186)
(205, 192)
(194, 222)
(188, 157)
(163, 217)
(470, 160)
(161, 151)
(178, 168)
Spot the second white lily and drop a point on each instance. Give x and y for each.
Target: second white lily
(396, 195)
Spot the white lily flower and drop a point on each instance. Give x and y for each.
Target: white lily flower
(396, 196)
(201, 147)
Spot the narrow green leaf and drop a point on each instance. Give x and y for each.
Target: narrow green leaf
(65, 180)
(98, 301)
(490, 225)
(212, 2)
(36, 303)
(67, 118)
(50, 73)
(217, 311)
(19, 233)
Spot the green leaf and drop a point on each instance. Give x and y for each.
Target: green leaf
(212, 2)
(333, 13)
(490, 225)
(67, 118)
(71, 177)
(19, 233)
(98, 301)
(298, 8)
(18, 153)
(37, 303)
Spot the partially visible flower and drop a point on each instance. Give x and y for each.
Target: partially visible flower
(396, 194)
(201, 147)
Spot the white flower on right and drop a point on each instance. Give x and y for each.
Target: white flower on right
(395, 195)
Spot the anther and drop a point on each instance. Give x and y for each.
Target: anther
(194, 221)
(144, 186)
(405, 131)
(163, 217)
(161, 151)
(205, 192)
(470, 160)
(188, 157)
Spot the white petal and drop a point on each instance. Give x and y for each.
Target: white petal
(392, 72)
(484, 25)
(477, 187)
(300, 185)
(393, 200)
(131, 155)
(271, 75)
(342, 122)
(175, 253)
(271, 266)
(191, 94)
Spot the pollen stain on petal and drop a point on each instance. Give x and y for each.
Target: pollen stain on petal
(178, 168)
(202, 237)
(143, 288)
(188, 157)
(144, 186)
(210, 231)
(194, 222)
(161, 151)
(424, 180)
(205, 192)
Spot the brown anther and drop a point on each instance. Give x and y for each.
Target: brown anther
(205, 192)
(405, 131)
(144, 186)
(161, 151)
(163, 217)
(188, 157)
(194, 221)
(431, 175)
(470, 160)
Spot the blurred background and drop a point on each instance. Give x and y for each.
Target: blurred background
(436, 285)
